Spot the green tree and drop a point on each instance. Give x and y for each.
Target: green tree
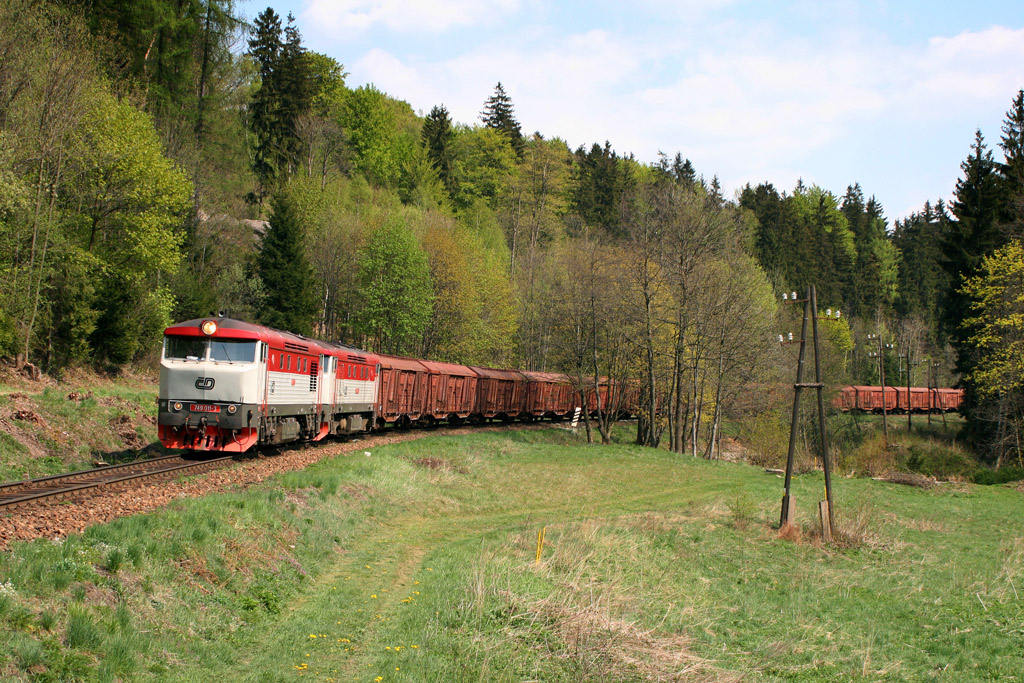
(439, 138)
(395, 290)
(974, 235)
(1012, 169)
(499, 114)
(484, 164)
(290, 293)
(130, 203)
(285, 94)
(601, 182)
(997, 333)
(372, 130)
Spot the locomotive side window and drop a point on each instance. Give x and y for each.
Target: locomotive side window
(233, 350)
(185, 348)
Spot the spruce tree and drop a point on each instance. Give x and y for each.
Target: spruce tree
(499, 115)
(285, 94)
(290, 301)
(438, 138)
(265, 110)
(978, 205)
(683, 171)
(295, 83)
(1012, 170)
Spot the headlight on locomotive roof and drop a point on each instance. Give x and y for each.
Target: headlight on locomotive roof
(177, 407)
(209, 327)
(232, 409)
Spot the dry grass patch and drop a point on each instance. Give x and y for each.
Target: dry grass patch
(918, 524)
(604, 646)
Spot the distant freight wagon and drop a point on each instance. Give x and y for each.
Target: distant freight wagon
(898, 399)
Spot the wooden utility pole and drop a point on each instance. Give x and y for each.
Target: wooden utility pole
(787, 506)
(881, 372)
(827, 517)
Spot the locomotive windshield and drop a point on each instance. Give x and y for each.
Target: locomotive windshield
(185, 348)
(233, 350)
(220, 350)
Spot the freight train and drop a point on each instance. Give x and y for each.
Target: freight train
(228, 385)
(898, 399)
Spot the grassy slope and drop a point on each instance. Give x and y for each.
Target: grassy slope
(655, 567)
(76, 422)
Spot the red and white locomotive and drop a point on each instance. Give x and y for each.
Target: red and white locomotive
(228, 385)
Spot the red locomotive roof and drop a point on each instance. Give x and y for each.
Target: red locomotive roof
(229, 328)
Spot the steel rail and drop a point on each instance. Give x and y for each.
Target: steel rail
(47, 488)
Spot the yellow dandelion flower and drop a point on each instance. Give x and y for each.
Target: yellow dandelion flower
(374, 597)
(388, 647)
(312, 635)
(414, 646)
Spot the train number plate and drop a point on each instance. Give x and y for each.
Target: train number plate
(203, 408)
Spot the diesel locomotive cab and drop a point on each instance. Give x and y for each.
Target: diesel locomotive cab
(210, 386)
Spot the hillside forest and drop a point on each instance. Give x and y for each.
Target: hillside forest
(165, 160)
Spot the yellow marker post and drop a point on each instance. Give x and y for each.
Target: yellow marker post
(540, 543)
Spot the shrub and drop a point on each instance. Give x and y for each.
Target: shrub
(1000, 476)
(939, 461)
(871, 458)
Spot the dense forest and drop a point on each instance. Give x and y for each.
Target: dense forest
(163, 159)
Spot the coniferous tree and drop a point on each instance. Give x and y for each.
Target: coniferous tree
(499, 114)
(601, 183)
(295, 82)
(978, 205)
(1012, 169)
(284, 95)
(438, 137)
(683, 171)
(265, 110)
(287, 277)
(922, 279)
(975, 233)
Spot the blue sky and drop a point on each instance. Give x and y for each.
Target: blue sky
(884, 93)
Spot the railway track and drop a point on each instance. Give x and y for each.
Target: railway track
(61, 486)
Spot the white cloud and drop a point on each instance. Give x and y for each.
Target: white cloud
(749, 106)
(403, 15)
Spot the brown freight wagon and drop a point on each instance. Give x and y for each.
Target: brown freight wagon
(620, 396)
(499, 393)
(870, 398)
(920, 400)
(948, 400)
(403, 390)
(451, 393)
(550, 394)
(846, 399)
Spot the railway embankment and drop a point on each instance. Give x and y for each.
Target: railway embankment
(420, 561)
(49, 426)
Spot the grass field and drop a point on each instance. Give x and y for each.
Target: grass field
(417, 563)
